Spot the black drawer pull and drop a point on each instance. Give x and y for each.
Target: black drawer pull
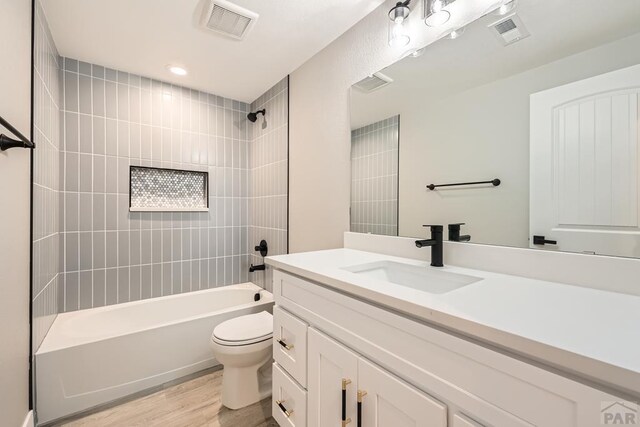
(285, 345)
(283, 409)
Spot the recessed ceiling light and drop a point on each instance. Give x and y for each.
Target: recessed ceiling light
(178, 71)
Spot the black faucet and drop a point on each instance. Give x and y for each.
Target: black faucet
(436, 244)
(454, 233)
(256, 268)
(263, 249)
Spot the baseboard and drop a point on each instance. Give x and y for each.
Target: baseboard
(28, 420)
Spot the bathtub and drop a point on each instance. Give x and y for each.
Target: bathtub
(91, 357)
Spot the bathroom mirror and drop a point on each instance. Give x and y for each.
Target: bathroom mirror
(540, 105)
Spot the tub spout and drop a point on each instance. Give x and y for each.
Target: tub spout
(256, 268)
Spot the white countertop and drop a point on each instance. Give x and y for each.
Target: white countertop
(587, 332)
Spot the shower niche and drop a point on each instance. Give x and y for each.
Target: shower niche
(167, 190)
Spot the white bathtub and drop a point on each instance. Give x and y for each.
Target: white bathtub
(91, 357)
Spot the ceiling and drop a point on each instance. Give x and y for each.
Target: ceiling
(144, 36)
(558, 28)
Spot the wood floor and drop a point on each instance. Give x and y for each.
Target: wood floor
(193, 403)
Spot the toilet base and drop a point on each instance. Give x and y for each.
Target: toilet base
(242, 387)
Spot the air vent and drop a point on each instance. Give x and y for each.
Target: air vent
(228, 19)
(373, 82)
(505, 26)
(509, 30)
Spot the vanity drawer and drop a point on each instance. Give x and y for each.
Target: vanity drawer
(289, 402)
(290, 344)
(460, 420)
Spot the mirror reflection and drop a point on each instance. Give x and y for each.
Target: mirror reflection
(532, 116)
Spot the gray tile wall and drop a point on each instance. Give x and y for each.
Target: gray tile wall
(268, 157)
(46, 180)
(374, 178)
(113, 119)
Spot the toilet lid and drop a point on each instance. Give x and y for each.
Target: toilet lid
(248, 328)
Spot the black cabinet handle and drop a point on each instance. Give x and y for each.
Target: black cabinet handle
(540, 240)
(283, 409)
(361, 394)
(343, 417)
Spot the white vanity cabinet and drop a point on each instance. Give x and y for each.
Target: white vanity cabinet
(380, 398)
(412, 373)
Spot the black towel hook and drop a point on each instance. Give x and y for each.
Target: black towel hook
(6, 142)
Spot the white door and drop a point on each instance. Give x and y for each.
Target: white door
(584, 165)
(389, 402)
(331, 367)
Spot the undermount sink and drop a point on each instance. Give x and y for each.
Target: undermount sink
(427, 279)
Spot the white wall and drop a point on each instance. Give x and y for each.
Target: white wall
(15, 98)
(481, 134)
(319, 129)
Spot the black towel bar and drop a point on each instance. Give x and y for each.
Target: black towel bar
(6, 142)
(495, 183)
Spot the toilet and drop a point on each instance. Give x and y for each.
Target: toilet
(244, 346)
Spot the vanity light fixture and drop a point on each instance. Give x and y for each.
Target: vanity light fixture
(506, 7)
(435, 13)
(178, 71)
(398, 32)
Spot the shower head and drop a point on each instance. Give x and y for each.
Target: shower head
(254, 116)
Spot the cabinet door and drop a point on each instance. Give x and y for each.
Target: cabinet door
(390, 402)
(330, 363)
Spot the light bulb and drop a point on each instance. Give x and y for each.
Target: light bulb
(437, 18)
(398, 36)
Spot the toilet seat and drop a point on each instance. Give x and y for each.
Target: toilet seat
(244, 330)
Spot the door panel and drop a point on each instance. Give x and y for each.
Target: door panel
(390, 402)
(584, 164)
(330, 363)
(598, 186)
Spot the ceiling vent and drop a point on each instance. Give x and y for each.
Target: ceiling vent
(228, 19)
(373, 82)
(509, 29)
